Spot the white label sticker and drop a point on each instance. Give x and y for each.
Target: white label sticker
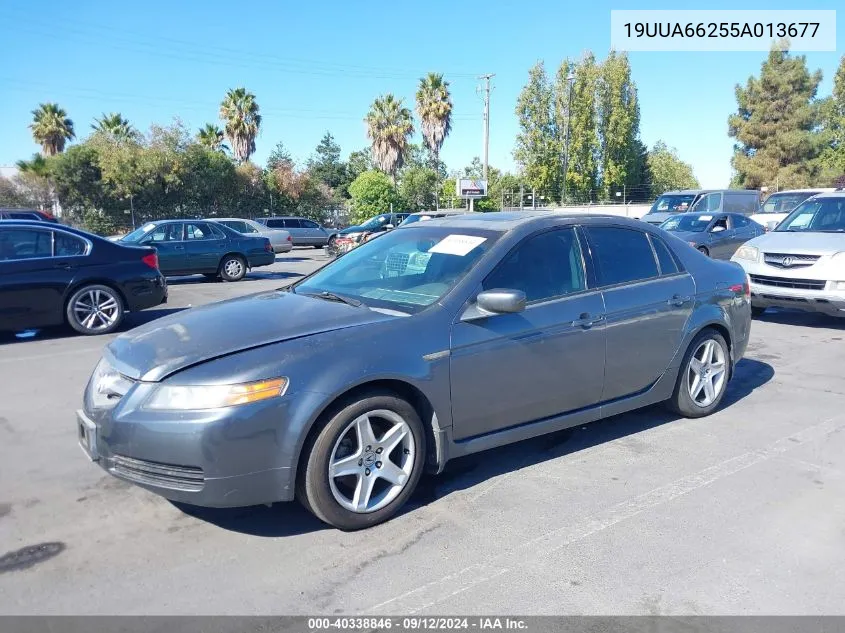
(457, 244)
(705, 217)
(148, 227)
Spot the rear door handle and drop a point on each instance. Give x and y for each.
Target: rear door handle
(587, 320)
(678, 300)
(178, 248)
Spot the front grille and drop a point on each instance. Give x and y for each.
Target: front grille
(783, 282)
(156, 474)
(789, 260)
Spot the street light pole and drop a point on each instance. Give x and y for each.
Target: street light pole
(570, 79)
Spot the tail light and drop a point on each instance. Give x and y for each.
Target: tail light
(290, 239)
(744, 288)
(268, 246)
(151, 260)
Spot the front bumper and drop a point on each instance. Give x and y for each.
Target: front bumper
(219, 458)
(822, 301)
(146, 293)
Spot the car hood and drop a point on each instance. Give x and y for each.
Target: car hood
(352, 229)
(167, 345)
(800, 243)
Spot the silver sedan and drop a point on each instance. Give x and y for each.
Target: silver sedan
(280, 240)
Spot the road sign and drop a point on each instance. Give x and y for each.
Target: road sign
(471, 188)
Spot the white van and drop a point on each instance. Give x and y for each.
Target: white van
(778, 205)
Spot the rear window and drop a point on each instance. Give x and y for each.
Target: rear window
(621, 255)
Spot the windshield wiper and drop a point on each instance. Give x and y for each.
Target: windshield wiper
(330, 296)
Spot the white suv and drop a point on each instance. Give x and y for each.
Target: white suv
(801, 264)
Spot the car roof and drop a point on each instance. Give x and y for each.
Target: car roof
(810, 190)
(836, 193)
(686, 192)
(47, 226)
(230, 219)
(444, 212)
(504, 221)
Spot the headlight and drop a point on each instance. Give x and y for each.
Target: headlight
(194, 397)
(107, 386)
(751, 253)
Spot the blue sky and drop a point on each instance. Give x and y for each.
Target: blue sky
(316, 67)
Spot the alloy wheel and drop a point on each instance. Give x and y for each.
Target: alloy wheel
(707, 373)
(96, 309)
(234, 268)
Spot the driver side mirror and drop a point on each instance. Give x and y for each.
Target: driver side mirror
(492, 302)
(388, 226)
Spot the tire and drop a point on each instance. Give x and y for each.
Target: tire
(233, 268)
(94, 309)
(757, 311)
(704, 403)
(333, 499)
(331, 241)
(703, 250)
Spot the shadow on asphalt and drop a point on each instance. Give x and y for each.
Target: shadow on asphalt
(288, 519)
(472, 470)
(252, 276)
(131, 320)
(801, 318)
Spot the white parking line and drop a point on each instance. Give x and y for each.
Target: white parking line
(542, 546)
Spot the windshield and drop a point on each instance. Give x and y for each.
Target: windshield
(374, 223)
(825, 215)
(785, 202)
(688, 222)
(672, 203)
(404, 270)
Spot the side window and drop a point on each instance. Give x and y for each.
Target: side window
(171, 232)
(24, 216)
(248, 228)
(545, 266)
(668, 265)
(292, 223)
(621, 255)
(240, 227)
(722, 223)
(709, 203)
(215, 231)
(308, 224)
(198, 231)
(67, 245)
(275, 224)
(25, 244)
(741, 221)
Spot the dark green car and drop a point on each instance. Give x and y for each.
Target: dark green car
(189, 247)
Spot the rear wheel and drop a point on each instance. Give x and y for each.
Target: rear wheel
(94, 309)
(757, 311)
(703, 378)
(364, 463)
(232, 268)
(703, 250)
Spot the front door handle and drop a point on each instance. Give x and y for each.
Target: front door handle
(178, 248)
(587, 320)
(63, 266)
(678, 300)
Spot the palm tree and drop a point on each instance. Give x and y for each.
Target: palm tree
(239, 113)
(212, 137)
(389, 125)
(115, 126)
(434, 106)
(37, 166)
(51, 128)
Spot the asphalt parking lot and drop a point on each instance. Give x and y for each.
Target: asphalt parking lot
(739, 513)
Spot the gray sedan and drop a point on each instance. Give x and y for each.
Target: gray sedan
(715, 234)
(438, 339)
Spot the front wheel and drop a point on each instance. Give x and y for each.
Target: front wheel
(364, 463)
(703, 250)
(703, 378)
(94, 309)
(232, 268)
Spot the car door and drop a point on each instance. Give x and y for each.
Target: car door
(314, 233)
(722, 236)
(294, 227)
(648, 298)
(205, 244)
(168, 240)
(509, 369)
(32, 281)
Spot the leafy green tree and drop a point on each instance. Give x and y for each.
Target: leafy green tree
(208, 182)
(78, 179)
(775, 125)
(537, 148)
(326, 166)
(35, 182)
(668, 171)
(418, 188)
(832, 158)
(114, 126)
(619, 125)
(584, 147)
(434, 107)
(11, 196)
(372, 192)
(212, 137)
(51, 128)
(389, 126)
(280, 154)
(242, 120)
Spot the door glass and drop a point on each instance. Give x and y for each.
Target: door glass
(709, 203)
(275, 224)
(292, 223)
(308, 224)
(25, 244)
(198, 231)
(248, 228)
(668, 265)
(621, 255)
(240, 227)
(721, 224)
(545, 266)
(69, 245)
(166, 233)
(215, 232)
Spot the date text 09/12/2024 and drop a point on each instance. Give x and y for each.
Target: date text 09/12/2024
(416, 623)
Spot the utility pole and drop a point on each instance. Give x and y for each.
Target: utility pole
(486, 97)
(570, 79)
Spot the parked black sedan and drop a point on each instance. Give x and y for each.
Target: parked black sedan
(52, 274)
(717, 235)
(189, 247)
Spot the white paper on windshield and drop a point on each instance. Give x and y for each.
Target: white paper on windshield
(457, 244)
(148, 227)
(705, 217)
